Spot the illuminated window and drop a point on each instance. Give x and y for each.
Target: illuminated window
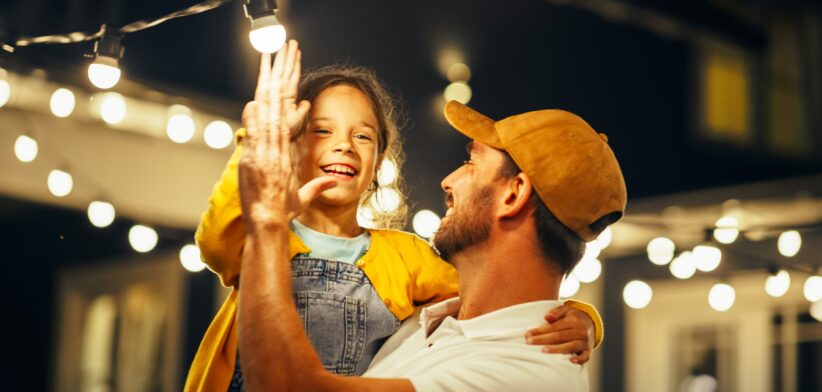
(726, 95)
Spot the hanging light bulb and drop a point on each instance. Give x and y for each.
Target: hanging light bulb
(789, 243)
(661, 250)
(386, 199)
(25, 148)
(267, 34)
(683, 267)
(190, 258)
(180, 126)
(727, 229)
(568, 287)
(218, 134)
(426, 223)
(142, 238)
(637, 294)
(458, 91)
(100, 213)
(104, 71)
(816, 310)
(587, 270)
(604, 238)
(387, 173)
(813, 288)
(60, 183)
(5, 92)
(62, 102)
(721, 297)
(113, 108)
(778, 284)
(707, 258)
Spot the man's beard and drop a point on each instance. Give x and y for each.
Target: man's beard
(466, 226)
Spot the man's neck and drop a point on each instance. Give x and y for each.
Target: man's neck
(340, 221)
(496, 275)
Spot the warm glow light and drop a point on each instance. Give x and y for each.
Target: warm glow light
(721, 297)
(458, 72)
(637, 294)
(789, 243)
(267, 34)
(426, 223)
(727, 229)
(588, 270)
(190, 258)
(387, 172)
(113, 108)
(60, 183)
(683, 266)
(5, 92)
(100, 213)
(365, 218)
(813, 288)
(777, 285)
(62, 102)
(604, 238)
(568, 287)
(142, 238)
(218, 134)
(180, 128)
(103, 76)
(661, 250)
(707, 258)
(25, 148)
(816, 310)
(385, 200)
(457, 91)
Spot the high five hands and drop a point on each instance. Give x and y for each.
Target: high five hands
(269, 190)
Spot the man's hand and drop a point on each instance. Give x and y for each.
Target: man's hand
(569, 331)
(269, 191)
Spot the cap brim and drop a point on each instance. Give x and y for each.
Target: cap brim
(472, 123)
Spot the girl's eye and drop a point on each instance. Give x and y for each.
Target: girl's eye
(363, 137)
(322, 131)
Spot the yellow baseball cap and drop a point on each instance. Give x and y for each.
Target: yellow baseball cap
(571, 166)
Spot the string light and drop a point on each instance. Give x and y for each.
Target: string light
(104, 71)
(387, 173)
(721, 297)
(385, 199)
(707, 258)
(113, 108)
(661, 250)
(568, 287)
(588, 270)
(218, 134)
(813, 288)
(142, 238)
(62, 102)
(683, 267)
(426, 223)
(267, 35)
(60, 183)
(727, 229)
(789, 243)
(100, 213)
(604, 238)
(190, 258)
(180, 126)
(457, 91)
(5, 92)
(777, 285)
(25, 148)
(637, 294)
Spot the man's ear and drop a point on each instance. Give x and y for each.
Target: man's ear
(515, 196)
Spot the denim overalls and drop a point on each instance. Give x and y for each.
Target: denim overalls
(344, 317)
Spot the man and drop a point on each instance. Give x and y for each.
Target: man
(536, 187)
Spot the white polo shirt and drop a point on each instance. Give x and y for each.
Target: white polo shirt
(486, 353)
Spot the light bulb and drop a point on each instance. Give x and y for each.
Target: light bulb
(180, 128)
(426, 223)
(190, 258)
(387, 173)
(588, 270)
(813, 288)
(142, 238)
(661, 250)
(100, 213)
(568, 287)
(218, 134)
(60, 183)
(683, 267)
(637, 294)
(458, 72)
(113, 108)
(385, 200)
(604, 238)
(103, 74)
(267, 35)
(25, 148)
(62, 102)
(789, 243)
(816, 310)
(592, 250)
(707, 258)
(5, 92)
(457, 91)
(727, 229)
(777, 285)
(365, 217)
(721, 297)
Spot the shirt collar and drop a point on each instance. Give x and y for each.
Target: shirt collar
(510, 321)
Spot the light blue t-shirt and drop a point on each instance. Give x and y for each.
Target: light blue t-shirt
(329, 247)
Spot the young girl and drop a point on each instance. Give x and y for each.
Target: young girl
(353, 285)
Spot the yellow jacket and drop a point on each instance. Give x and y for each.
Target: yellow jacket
(403, 269)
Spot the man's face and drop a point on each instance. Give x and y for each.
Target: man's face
(469, 197)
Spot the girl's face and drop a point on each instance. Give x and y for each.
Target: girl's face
(340, 141)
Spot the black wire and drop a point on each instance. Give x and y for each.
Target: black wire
(80, 36)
